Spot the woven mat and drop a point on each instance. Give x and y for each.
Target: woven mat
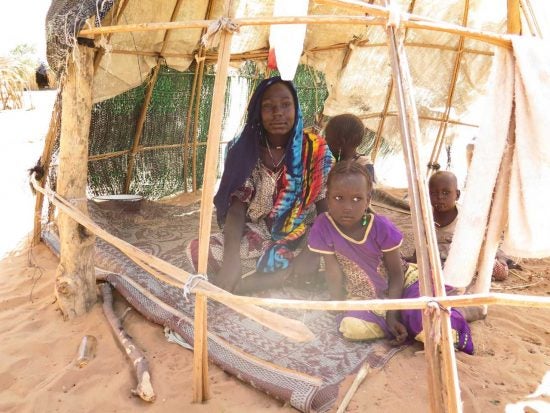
(306, 375)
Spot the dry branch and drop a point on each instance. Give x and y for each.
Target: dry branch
(361, 375)
(144, 387)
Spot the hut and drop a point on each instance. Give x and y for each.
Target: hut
(149, 93)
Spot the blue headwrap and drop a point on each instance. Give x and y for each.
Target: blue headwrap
(244, 150)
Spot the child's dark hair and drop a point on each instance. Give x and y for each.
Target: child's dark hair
(346, 128)
(349, 167)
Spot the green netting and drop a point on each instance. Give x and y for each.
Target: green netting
(159, 168)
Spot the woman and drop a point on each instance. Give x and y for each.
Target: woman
(273, 182)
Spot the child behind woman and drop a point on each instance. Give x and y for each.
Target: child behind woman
(354, 243)
(344, 133)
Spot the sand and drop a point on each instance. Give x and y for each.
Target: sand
(38, 349)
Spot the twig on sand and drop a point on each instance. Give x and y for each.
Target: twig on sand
(516, 274)
(361, 374)
(517, 287)
(144, 387)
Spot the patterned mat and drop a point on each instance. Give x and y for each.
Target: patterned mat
(306, 375)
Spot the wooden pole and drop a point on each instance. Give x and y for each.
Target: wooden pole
(442, 375)
(45, 159)
(139, 127)
(261, 54)
(196, 120)
(200, 351)
(514, 17)
(530, 18)
(214, 133)
(454, 76)
(423, 24)
(380, 129)
(361, 375)
(186, 134)
(75, 278)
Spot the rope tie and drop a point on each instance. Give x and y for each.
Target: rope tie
(212, 34)
(434, 309)
(191, 283)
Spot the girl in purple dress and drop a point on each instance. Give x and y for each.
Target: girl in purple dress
(354, 243)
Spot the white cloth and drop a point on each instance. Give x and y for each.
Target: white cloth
(505, 198)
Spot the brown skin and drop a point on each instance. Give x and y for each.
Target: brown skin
(348, 200)
(278, 114)
(443, 196)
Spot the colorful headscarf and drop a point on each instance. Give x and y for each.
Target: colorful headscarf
(307, 161)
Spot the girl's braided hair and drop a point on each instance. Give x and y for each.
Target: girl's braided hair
(349, 167)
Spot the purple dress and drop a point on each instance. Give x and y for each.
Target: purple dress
(360, 262)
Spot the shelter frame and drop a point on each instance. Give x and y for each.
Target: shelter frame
(444, 393)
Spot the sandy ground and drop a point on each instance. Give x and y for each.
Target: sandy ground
(38, 348)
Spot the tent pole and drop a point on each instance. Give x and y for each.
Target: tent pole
(454, 76)
(442, 374)
(200, 351)
(514, 17)
(415, 22)
(196, 119)
(197, 94)
(75, 287)
(186, 140)
(380, 129)
(45, 159)
(212, 148)
(384, 114)
(200, 367)
(139, 127)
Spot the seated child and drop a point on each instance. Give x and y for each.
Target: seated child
(354, 243)
(444, 193)
(344, 133)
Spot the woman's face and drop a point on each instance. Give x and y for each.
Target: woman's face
(278, 110)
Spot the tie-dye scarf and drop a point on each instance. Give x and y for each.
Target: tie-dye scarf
(307, 161)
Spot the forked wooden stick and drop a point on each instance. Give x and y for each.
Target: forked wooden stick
(144, 387)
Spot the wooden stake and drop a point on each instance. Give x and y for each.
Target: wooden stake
(361, 375)
(200, 351)
(139, 127)
(214, 132)
(45, 159)
(442, 375)
(75, 278)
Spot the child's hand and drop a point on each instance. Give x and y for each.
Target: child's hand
(398, 330)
